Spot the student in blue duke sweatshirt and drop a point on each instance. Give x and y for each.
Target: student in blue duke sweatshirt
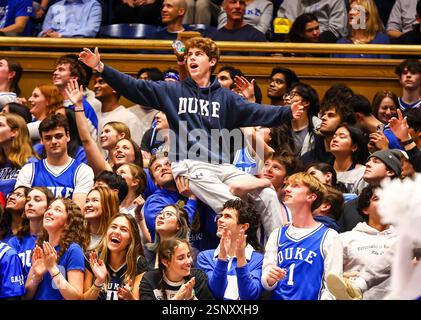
(202, 117)
(234, 269)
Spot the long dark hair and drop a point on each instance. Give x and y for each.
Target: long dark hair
(165, 252)
(298, 27)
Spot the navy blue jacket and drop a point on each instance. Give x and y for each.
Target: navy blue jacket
(190, 107)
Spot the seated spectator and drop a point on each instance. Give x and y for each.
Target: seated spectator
(15, 18)
(175, 279)
(171, 75)
(364, 27)
(10, 74)
(136, 11)
(258, 14)
(236, 28)
(234, 268)
(72, 19)
(413, 36)
(401, 18)
(331, 15)
(172, 14)
(305, 28)
(201, 12)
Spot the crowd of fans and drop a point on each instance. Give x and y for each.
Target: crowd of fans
(317, 21)
(104, 201)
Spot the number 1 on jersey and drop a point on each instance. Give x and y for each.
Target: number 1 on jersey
(291, 275)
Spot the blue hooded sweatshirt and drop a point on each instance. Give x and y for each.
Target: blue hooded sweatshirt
(197, 115)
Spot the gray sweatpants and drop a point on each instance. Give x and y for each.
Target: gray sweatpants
(210, 183)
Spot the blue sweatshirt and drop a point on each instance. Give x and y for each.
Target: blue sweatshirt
(189, 107)
(159, 200)
(247, 277)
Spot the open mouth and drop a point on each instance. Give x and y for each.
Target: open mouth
(194, 66)
(120, 156)
(115, 240)
(48, 219)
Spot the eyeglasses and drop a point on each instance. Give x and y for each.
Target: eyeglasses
(166, 214)
(290, 95)
(17, 195)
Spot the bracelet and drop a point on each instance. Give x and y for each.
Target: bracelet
(52, 277)
(79, 110)
(100, 286)
(96, 66)
(405, 143)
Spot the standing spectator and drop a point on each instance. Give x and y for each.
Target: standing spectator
(384, 105)
(37, 202)
(258, 14)
(12, 284)
(299, 256)
(15, 17)
(46, 99)
(100, 207)
(15, 150)
(10, 74)
(330, 13)
(364, 27)
(175, 279)
(280, 82)
(116, 273)
(234, 269)
(72, 19)
(171, 222)
(58, 262)
(68, 177)
(367, 244)
(349, 147)
(11, 215)
(112, 111)
(69, 68)
(401, 18)
(409, 73)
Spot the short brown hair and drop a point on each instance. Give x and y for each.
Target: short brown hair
(205, 44)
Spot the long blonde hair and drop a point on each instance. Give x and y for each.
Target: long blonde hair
(373, 23)
(133, 251)
(21, 146)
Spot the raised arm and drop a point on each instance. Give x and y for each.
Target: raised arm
(93, 154)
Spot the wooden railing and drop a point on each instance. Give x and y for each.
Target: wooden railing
(365, 76)
(274, 47)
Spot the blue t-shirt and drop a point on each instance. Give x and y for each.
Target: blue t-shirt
(8, 175)
(61, 184)
(11, 9)
(72, 259)
(24, 249)
(12, 283)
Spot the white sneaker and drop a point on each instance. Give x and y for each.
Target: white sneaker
(342, 288)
